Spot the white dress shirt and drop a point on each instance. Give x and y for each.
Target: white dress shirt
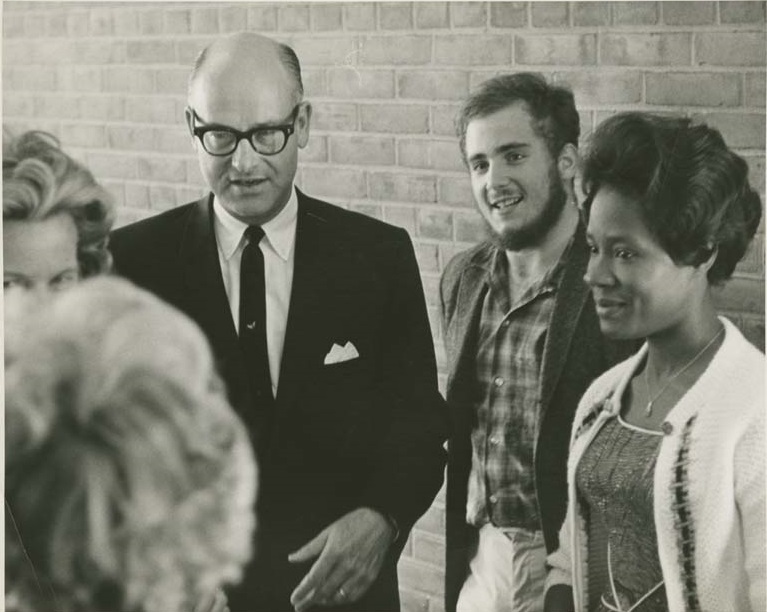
(278, 248)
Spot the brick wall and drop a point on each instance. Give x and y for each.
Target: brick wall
(385, 80)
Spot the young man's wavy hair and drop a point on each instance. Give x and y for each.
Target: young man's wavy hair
(552, 107)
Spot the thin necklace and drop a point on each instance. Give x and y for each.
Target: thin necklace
(648, 409)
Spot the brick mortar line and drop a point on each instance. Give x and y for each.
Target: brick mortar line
(142, 153)
(36, 94)
(58, 11)
(751, 153)
(407, 170)
(378, 168)
(438, 137)
(147, 6)
(175, 37)
(471, 68)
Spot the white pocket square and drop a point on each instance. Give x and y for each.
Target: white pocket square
(339, 354)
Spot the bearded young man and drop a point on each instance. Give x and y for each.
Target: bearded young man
(523, 343)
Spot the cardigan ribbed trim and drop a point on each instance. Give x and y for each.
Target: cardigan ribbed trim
(685, 529)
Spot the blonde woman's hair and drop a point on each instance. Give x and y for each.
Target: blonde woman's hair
(40, 180)
(130, 481)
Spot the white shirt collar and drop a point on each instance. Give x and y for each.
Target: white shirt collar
(280, 231)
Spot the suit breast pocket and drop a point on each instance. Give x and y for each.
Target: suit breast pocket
(342, 386)
(341, 415)
(351, 371)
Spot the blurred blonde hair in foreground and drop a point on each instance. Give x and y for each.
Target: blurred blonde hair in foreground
(130, 482)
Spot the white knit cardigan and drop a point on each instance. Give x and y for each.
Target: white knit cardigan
(709, 484)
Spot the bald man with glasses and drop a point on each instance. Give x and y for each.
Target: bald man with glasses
(318, 322)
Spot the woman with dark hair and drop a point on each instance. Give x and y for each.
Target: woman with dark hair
(667, 450)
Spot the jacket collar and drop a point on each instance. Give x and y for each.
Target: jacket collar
(483, 257)
(572, 296)
(280, 231)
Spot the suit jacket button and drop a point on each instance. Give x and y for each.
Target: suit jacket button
(667, 428)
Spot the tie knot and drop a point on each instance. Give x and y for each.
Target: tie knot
(254, 233)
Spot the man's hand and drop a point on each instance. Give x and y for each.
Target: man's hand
(349, 555)
(212, 602)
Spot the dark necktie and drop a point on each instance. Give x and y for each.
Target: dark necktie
(253, 333)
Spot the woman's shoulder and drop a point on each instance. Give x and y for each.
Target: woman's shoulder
(752, 359)
(727, 403)
(738, 371)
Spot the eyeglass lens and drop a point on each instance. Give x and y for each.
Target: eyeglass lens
(223, 142)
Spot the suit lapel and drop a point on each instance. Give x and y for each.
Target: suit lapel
(571, 298)
(310, 297)
(203, 285)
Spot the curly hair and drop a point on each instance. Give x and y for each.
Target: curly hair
(693, 189)
(130, 482)
(552, 107)
(40, 180)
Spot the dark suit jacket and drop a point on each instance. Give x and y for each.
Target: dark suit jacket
(367, 432)
(575, 353)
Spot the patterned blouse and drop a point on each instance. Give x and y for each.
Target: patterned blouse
(615, 480)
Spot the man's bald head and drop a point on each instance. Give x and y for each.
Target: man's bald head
(248, 83)
(247, 51)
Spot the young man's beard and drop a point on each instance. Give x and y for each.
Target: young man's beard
(533, 233)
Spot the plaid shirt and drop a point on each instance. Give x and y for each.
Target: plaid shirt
(507, 399)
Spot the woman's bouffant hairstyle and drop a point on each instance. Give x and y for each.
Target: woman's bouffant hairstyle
(130, 481)
(552, 107)
(40, 180)
(693, 190)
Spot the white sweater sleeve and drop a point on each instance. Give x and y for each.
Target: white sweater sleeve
(560, 561)
(750, 499)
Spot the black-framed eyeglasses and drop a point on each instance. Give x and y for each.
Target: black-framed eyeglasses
(222, 140)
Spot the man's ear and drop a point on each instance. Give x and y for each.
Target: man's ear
(303, 121)
(189, 116)
(567, 162)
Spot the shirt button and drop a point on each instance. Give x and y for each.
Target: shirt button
(495, 440)
(498, 381)
(667, 428)
(493, 499)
